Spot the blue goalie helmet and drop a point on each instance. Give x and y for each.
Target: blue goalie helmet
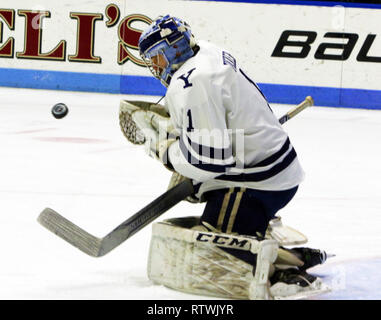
(165, 45)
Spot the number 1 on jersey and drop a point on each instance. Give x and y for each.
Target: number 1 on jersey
(190, 123)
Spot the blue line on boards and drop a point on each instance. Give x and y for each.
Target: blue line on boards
(147, 85)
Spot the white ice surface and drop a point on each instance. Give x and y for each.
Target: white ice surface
(83, 167)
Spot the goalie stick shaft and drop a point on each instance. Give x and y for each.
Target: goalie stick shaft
(98, 247)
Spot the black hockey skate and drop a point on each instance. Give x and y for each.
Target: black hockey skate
(310, 257)
(292, 276)
(293, 283)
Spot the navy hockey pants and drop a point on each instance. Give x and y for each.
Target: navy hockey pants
(243, 211)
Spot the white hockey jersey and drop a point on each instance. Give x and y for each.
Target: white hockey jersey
(228, 134)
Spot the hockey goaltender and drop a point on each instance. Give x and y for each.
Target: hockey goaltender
(217, 130)
(218, 136)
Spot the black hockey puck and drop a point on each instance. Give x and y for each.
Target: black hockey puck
(60, 110)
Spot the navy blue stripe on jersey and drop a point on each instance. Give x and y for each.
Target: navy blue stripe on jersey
(217, 168)
(210, 152)
(263, 175)
(255, 85)
(274, 157)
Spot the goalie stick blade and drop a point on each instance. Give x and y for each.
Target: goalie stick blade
(70, 232)
(98, 247)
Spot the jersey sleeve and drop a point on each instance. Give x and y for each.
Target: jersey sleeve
(203, 150)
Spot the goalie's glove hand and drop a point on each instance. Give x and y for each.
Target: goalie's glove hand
(160, 138)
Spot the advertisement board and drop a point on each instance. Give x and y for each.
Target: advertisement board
(332, 53)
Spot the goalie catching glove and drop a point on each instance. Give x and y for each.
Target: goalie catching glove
(149, 124)
(128, 126)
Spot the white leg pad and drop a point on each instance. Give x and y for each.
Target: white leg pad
(267, 252)
(191, 261)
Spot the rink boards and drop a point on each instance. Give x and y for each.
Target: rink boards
(328, 51)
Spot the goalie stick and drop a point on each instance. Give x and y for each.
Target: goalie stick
(98, 247)
(308, 101)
